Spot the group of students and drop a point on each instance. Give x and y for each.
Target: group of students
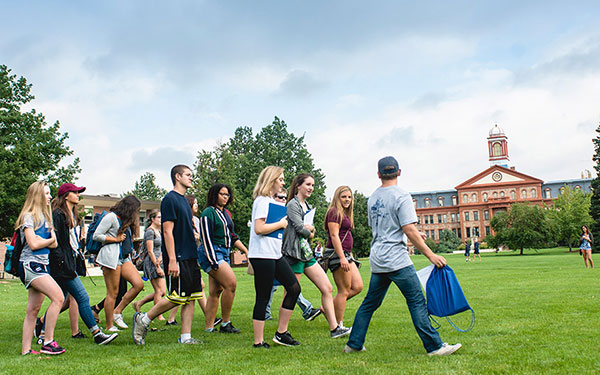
(179, 245)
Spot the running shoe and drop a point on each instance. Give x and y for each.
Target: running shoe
(190, 341)
(113, 329)
(340, 332)
(173, 323)
(118, 320)
(79, 335)
(102, 338)
(217, 321)
(285, 339)
(348, 349)
(229, 328)
(262, 345)
(32, 352)
(139, 329)
(52, 348)
(313, 314)
(445, 350)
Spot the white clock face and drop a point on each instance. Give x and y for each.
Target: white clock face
(497, 176)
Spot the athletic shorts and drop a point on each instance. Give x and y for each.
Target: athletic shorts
(221, 253)
(187, 286)
(299, 266)
(29, 271)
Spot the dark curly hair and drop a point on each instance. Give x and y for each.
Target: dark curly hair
(128, 209)
(213, 195)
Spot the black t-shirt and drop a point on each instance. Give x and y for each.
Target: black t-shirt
(175, 207)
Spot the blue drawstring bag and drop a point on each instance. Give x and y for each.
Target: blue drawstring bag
(445, 297)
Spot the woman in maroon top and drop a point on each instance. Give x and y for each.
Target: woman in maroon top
(339, 223)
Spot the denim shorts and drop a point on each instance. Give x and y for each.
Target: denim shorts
(221, 253)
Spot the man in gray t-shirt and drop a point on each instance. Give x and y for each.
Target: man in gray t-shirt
(392, 218)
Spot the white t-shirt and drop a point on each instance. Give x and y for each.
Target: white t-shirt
(262, 246)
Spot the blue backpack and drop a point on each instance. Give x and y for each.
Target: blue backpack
(93, 247)
(445, 297)
(13, 254)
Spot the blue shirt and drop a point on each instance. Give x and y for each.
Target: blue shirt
(390, 208)
(175, 207)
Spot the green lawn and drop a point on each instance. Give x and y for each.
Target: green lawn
(538, 313)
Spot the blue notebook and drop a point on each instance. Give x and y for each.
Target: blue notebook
(276, 213)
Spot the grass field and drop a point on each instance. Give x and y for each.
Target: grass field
(536, 314)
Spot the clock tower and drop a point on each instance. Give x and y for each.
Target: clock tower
(498, 147)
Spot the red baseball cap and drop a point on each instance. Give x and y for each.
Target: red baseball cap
(67, 188)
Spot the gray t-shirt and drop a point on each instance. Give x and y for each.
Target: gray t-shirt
(40, 255)
(390, 208)
(149, 235)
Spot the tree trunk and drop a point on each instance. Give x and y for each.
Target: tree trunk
(521, 251)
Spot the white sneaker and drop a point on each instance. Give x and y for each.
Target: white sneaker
(113, 329)
(348, 349)
(118, 320)
(445, 349)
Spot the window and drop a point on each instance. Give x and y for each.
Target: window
(548, 193)
(533, 193)
(486, 215)
(487, 230)
(444, 218)
(452, 218)
(468, 232)
(454, 200)
(439, 218)
(476, 231)
(458, 218)
(513, 195)
(432, 233)
(426, 219)
(459, 234)
(523, 194)
(465, 198)
(473, 197)
(441, 201)
(484, 196)
(495, 195)
(418, 219)
(427, 202)
(475, 215)
(496, 150)
(431, 219)
(415, 203)
(466, 216)
(501, 194)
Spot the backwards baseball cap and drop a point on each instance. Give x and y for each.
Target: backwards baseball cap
(388, 165)
(67, 188)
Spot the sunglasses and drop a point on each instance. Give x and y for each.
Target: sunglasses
(280, 196)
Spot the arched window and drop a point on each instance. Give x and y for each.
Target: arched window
(441, 201)
(533, 193)
(523, 194)
(465, 198)
(454, 200)
(496, 149)
(415, 203)
(484, 196)
(513, 195)
(548, 192)
(495, 195)
(502, 194)
(427, 202)
(473, 197)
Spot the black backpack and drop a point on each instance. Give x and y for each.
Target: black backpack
(12, 256)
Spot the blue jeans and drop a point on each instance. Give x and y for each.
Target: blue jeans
(75, 288)
(407, 281)
(302, 303)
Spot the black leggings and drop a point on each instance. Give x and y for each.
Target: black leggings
(265, 270)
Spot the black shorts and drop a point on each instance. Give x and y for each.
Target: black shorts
(187, 287)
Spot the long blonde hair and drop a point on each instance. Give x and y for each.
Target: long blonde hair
(336, 206)
(36, 206)
(266, 180)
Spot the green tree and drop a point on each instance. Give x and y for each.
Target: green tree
(361, 234)
(30, 149)
(238, 163)
(449, 241)
(146, 188)
(431, 244)
(523, 226)
(569, 212)
(595, 199)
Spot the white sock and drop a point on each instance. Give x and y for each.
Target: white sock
(146, 320)
(185, 336)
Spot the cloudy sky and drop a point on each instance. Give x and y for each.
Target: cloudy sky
(143, 85)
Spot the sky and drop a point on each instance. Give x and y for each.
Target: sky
(142, 85)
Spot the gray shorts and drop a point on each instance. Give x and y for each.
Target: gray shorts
(121, 261)
(29, 271)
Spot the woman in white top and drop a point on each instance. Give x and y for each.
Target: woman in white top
(264, 252)
(34, 225)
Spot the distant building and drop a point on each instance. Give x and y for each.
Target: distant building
(468, 208)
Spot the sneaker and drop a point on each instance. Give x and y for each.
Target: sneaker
(268, 317)
(113, 329)
(229, 328)
(118, 320)
(52, 348)
(262, 345)
(33, 352)
(285, 339)
(313, 314)
(37, 331)
(348, 349)
(340, 332)
(190, 341)
(102, 338)
(139, 329)
(79, 335)
(445, 350)
(173, 323)
(217, 321)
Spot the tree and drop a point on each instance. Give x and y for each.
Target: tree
(31, 150)
(449, 241)
(146, 188)
(361, 234)
(595, 199)
(523, 226)
(569, 212)
(238, 163)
